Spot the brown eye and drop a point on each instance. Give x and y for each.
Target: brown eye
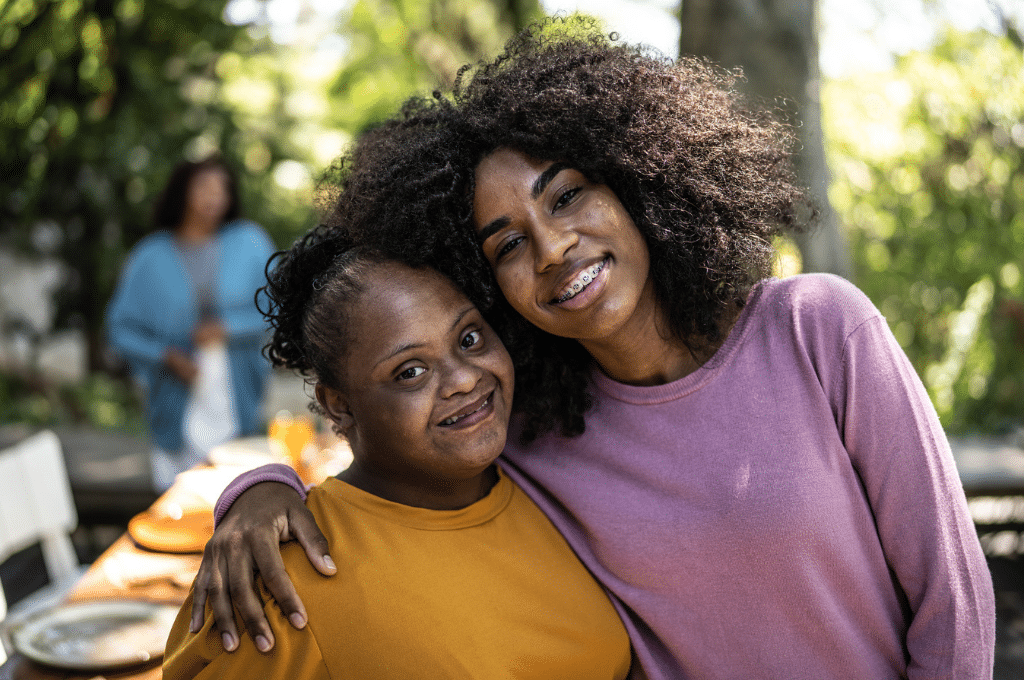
(567, 197)
(470, 339)
(507, 247)
(410, 373)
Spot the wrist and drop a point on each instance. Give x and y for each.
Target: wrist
(273, 472)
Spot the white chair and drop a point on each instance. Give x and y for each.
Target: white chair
(36, 506)
(3, 615)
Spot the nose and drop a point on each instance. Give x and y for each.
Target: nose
(551, 243)
(460, 377)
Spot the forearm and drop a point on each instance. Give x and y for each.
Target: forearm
(130, 341)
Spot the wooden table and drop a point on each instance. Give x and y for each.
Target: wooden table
(104, 580)
(128, 572)
(989, 466)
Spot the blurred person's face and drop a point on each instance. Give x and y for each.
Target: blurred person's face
(209, 195)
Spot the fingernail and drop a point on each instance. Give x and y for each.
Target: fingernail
(262, 643)
(329, 562)
(297, 619)
(229, 641)
(194, 626)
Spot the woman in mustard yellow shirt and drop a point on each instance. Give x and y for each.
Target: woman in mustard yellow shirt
(450, 571)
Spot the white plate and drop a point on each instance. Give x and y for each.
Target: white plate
(100, 635)
(248, 452)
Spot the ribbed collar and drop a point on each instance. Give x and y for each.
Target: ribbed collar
(482, 511)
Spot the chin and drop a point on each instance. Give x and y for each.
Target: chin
(488, 450)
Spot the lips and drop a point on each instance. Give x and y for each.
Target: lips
(471, 413)
(579, 282)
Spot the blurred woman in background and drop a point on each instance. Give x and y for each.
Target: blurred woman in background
(183, 317)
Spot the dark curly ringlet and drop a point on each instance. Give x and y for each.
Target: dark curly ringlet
(707, 181)
(309, 290)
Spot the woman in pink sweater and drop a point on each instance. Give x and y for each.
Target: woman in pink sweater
(750, 466)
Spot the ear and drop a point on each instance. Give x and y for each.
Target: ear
(336, 406)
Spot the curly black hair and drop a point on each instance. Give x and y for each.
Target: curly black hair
(309, 289)
(707, 180)
(169, 207)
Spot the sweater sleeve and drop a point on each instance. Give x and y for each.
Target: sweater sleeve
(128, 330)
(240, 316)
(272, 472)
(901, 453)
(296, 653)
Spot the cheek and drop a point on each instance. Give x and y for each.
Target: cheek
(499, 363)
(415, 410)
(407, 414)
(644, 258)
(517, 285)
(635, 247)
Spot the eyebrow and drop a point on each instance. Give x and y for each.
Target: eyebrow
(492, 228)
(415, 345)
(539, 185)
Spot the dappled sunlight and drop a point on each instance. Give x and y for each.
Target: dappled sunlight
(787, 258)
(929, 186)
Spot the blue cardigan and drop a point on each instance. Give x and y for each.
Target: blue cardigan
(155, 306)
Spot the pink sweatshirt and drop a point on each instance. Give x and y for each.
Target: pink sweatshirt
(790, 510)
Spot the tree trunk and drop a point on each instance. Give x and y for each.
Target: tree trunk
(775, 43)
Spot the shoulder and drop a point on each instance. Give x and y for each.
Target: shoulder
(156, 244)
(817, 300)
(201, 656)
(815, 315)
(335, 518)
(151, 256)
(814, 291)
(352, 537)
(325, 500)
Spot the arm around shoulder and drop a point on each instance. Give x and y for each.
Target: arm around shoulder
(247, 540)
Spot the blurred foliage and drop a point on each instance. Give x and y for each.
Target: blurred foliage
(100, 400)
(100, 98)
(397, 48)
(929, 163)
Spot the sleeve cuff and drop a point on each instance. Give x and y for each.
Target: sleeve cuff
(272, 472)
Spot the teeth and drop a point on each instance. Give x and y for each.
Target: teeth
(455, 419)
(581, 282)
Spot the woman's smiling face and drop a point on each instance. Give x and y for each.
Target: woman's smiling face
(565, 252)
(427, 389)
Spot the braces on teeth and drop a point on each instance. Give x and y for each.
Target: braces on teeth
(581, 282)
